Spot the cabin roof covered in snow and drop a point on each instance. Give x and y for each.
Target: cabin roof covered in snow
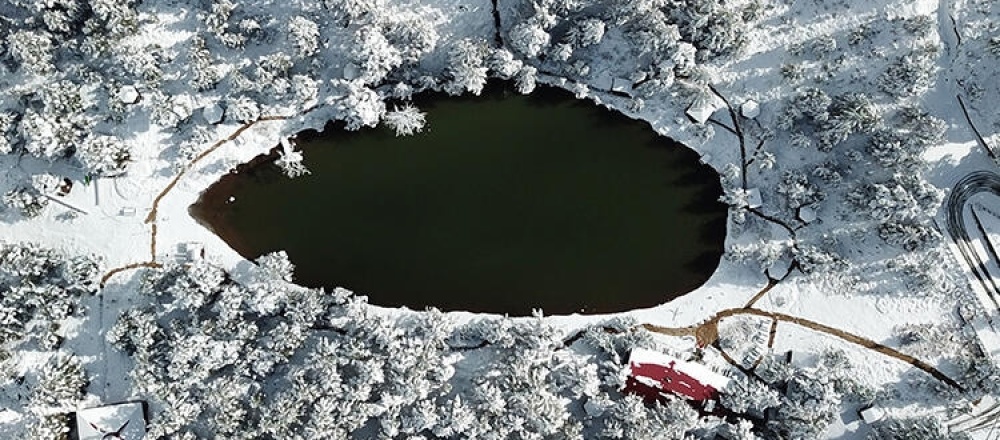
(621, 84)
(750, 109)
(872, 414)
(213, 114)
(701, 110)
(125, 419)
(699, 372)
(754, 200)
(128, 95)
(807, 214)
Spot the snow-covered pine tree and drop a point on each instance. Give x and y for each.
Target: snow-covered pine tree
(912, 74)
(406, 120)
(526, 80)
(467, 67)
(305, 36)
(50, 427)
(374, 57)
(529, 39)
(587, 32)
(119, 18)
(749, 396)
(205, 74)
(25, 200)
(9, 138)
(33, 50)
(361, 107)
(104, 155)
(135, 331)
(811, 402)
(414, 37)
(917, 428)
(503, 64)
(290, 161)
(910, 235)
(243, 109)
(356, 12)
(798, 191)
(61, 382)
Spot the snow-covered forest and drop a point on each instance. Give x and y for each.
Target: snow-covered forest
(837, 129)
(264, 358)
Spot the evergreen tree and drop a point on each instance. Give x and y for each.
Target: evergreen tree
(305, 36)
(406, 121)
(61, 382)
(467, 67)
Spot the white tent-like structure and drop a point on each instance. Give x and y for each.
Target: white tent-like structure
(124, 421)
(702, 109)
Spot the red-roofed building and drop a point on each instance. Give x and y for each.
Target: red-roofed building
(653, 375)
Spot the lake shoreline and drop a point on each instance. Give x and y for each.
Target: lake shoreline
(216, 197)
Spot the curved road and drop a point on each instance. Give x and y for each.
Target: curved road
(974, 183)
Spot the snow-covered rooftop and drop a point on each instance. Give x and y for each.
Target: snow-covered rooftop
(124, 421)
(640, 358)
(702, 110)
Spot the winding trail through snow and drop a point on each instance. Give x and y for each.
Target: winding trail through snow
(154, 209)
(707, 333)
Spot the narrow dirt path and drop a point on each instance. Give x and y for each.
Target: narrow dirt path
(771, 282)
(707, 333)
(116, 271)
(173, 182)
(154, 209)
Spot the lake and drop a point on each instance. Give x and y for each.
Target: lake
(504, 204)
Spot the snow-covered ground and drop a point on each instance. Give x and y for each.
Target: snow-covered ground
(870, 113)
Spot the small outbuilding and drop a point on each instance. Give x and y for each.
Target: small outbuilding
(190, 252)
(123, 421)
(128, 95)
(653, 374)
(750, 109)
(872, 414)
(754, 200)
(352, 71)
(213, 114)
(807, 214)
(621, 85)
(702, 109)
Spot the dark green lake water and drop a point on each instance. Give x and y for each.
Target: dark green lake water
(506, 203)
